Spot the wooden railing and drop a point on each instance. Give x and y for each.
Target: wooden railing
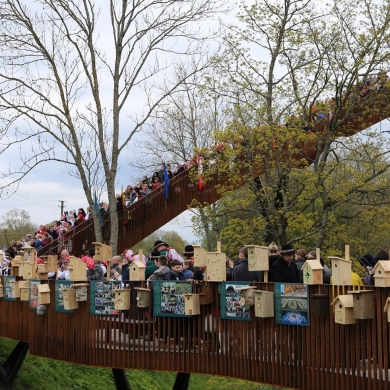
(324, 355)
(153, 211)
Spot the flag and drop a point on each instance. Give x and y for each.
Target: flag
(166, 182)
(97, 209)
(200, 172)
(125, 217)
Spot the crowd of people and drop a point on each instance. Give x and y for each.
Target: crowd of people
(285, 266)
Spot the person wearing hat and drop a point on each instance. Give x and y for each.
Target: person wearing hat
(285, 270)
(152, 264)
(240, 271)
(188, 252)
(160, 246)
(166, 250)
(368, 262)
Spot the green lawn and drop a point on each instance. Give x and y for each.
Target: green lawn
(39, 374)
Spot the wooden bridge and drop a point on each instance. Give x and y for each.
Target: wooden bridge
(323, 355)
(154, 211)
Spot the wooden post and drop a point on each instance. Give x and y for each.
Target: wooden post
(347, 252)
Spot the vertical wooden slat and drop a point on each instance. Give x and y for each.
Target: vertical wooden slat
(324, 355)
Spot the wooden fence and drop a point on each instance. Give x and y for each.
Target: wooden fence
(323, 355)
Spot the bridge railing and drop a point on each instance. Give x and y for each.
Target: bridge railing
(322, 355)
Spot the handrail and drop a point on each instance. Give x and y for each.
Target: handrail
(153, 210)
(323, 355)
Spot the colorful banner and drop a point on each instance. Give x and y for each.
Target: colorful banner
(102, 297)
(231, 308)
(168, 297)
(291, 304)
(62, 285)
(9, 288)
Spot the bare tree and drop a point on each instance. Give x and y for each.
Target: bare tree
(72, 76)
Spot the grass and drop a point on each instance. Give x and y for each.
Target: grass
(39, 373)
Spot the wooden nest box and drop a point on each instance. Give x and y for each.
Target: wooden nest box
(257, 258)
(343, 308)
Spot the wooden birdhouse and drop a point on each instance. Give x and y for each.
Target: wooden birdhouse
(386, 309)
(200, 256)
(28, 270)
(312, 272)
(264, 303)
(17, 260)
(205, 292)
(382, 273)
(257, 258)
(15, 289)
(29, 254)
(77, 269)
(16, 269)
(81, 291)
(102, 252)
(51, 262)
(137, 270)
(247, 295)
(143, 297)
(42, 272)
(320, 304)
(341, 271)
(191, 304)
(24, 293)
(43, 294)
(122, 299)
(363, 304)
(343, 308)
(215, 267)
(70, 301)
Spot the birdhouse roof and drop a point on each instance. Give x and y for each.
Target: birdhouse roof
(346, 300)
(99, 244)
(384, 264)
(356, 292)
(43, 288)
(245, 288)
(387, 305)
(339, 258)
(139, 264)
(313, 264)
(257, 246)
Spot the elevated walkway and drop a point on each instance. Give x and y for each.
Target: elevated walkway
(154, 211)
(324, 355)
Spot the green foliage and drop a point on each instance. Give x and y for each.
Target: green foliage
(16, 224)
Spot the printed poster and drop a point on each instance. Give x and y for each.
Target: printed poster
(231, 308)
(33, 289)
(62, 285)
(102, 297)
(291, 304)
(9, 288)
(168, 297)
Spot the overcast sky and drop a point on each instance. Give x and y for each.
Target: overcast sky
(41, 192)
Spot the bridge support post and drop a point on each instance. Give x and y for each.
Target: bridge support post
(182, 381)
(120, 378)
(11, 367)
